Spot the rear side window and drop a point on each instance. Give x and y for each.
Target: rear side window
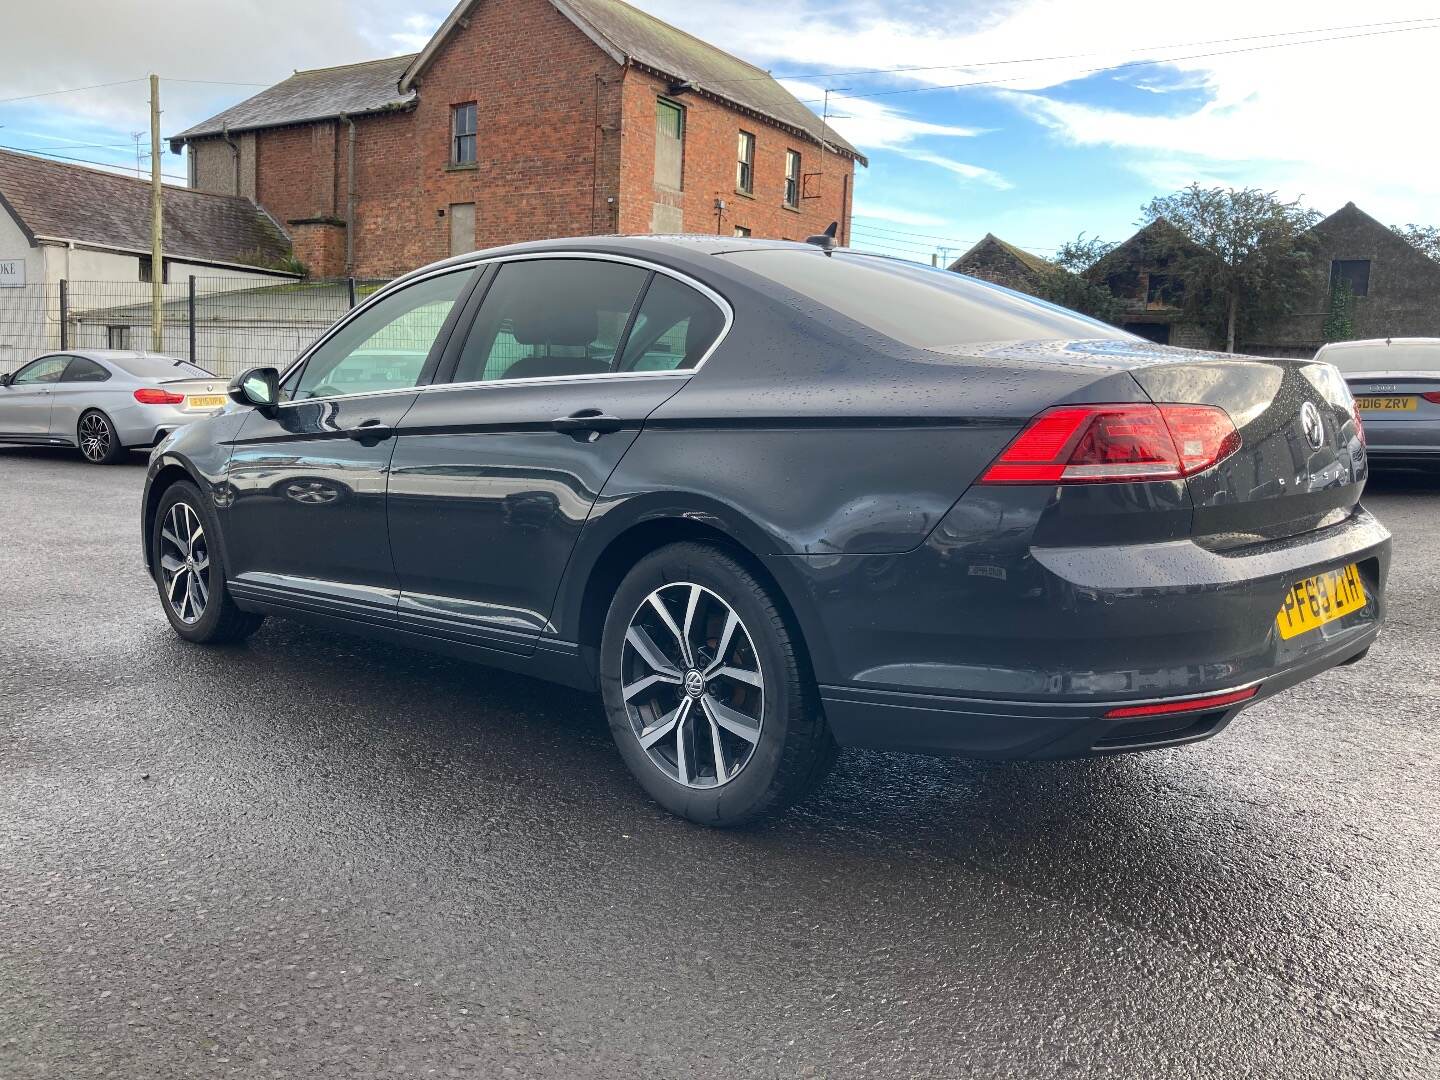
(675, 327)
(154, 367)
(921, 306)
(83, 370)
(548, 317)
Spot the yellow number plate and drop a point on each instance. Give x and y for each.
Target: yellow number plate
(1318, 600)
(1401, 403)
(214, 401)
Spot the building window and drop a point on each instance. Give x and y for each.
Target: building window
(462, 228)
(117, 337)
(146, 269)
(462, 134)
(1353, 272)
(745, 165)
(741, 230)
(792, 178)
(669, 145)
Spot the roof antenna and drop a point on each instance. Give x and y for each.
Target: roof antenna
(825, 241)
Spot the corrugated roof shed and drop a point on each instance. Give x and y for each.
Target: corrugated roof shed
(350, 89)
(59, 201)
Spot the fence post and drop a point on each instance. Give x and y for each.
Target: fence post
(190, 312)
(350, 284)
(64, 314)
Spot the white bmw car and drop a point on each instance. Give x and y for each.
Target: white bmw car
(104, 401)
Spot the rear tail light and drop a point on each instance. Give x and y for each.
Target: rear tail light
(1433, 397)
(1090, 444)
(1359, 424)
(1200, 704)
(151, 396)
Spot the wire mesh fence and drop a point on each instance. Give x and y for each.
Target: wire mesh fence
(224, 324)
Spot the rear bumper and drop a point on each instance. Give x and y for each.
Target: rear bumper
(1403, 440)
(981, 728)
(145, 425)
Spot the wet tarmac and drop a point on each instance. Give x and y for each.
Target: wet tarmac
(313, 856)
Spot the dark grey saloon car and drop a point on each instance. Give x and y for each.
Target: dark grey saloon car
(770, 499)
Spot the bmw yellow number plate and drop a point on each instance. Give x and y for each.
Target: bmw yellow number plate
(200, 401)
(1321, 599)
(1394, 403)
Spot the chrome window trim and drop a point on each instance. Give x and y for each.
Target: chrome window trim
(479, 264)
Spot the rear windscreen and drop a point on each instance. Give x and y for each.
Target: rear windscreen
(922, 306)
(1398, 356)
(156, 367)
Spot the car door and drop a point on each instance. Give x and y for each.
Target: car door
(498, 464)
(25, 401)
(74, 393)
(304, 502)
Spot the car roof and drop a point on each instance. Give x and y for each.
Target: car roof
(1383, 355)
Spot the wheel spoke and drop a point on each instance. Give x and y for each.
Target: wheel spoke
(649, 652)
(648, 681)
(660, 728)
(731, 622)
(171, 563)
(750, 678)
(722, 772)
(201, 589)
(733, 721)
(175, 582)
(684, 745)
(669, 621)
(685, 638)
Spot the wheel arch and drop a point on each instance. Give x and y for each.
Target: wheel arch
(171, 471)
(605, 562)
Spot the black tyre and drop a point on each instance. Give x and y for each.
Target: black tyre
(190, 573)
(97, 438)
(708, 693)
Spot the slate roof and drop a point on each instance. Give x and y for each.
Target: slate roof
(320, 94)
(53, 200)
(629, 34)
(1027, 260)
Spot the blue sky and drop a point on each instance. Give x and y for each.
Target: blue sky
(1091, 107)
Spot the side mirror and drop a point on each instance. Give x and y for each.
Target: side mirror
(259, 388)
(7, 378)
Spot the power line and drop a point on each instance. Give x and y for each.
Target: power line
(219, 82)
(70, 90)
(1078, 56)
(83, 161)
(951, 240)
(1140, 63)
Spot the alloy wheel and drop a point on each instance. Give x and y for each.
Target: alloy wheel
(692, 685)
(185, 563)
(94, 437)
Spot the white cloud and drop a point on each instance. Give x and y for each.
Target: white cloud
(899, 215)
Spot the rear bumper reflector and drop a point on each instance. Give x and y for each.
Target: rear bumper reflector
(1200, 704)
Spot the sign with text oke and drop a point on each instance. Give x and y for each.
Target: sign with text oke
(12, 273)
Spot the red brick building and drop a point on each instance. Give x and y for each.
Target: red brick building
(525, 119)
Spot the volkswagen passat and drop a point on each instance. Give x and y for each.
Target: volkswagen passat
(769, 499)
(104, 401)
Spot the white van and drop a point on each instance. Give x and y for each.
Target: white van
(1396, 383)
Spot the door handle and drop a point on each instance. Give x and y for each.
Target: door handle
(370, 432)
(587, 425)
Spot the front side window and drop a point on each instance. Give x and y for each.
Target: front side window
(1352, 272)
(386, 345)
(792, 178)
(47, 369)
(83, 370)
(548, 317)
(462, 134)
(669, 145)
(675, 327)
(745, 166)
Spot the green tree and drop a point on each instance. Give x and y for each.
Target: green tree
(1340, 322)
(1425, 238)
(1070, 290)
(1083, 252)
(1254, 260)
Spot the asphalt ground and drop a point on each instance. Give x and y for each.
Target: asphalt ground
(314, 856)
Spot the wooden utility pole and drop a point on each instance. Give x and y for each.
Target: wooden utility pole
(157, 224)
